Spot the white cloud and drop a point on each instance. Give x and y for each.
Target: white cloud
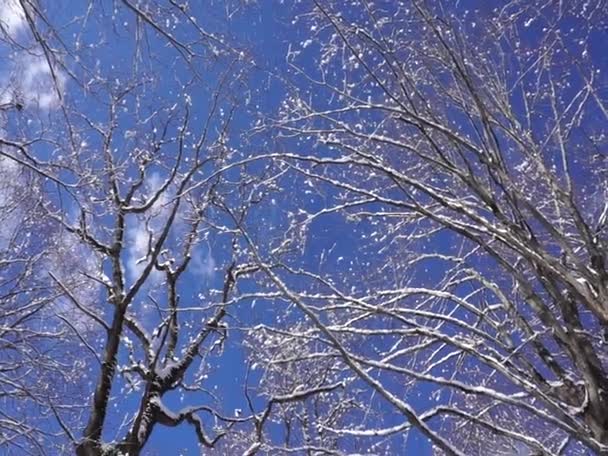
(36, 85)
(8, 168)
(27, 79)
(30, 81)
(10, 212)
(138, 232)
(204, 264)
(12, 17)
(138, 239)
(70, 261)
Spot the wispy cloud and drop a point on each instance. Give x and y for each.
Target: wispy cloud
(142, 233)
(204, 264)
(12, 18)
(70, 262)
(9, 211)
(28, 79)
(38, 85)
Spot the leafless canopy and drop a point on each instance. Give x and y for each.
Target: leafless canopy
(419, 249)
(463, 153)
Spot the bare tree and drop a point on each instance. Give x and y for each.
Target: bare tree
(23, 298)
(423, 248)
(135, 173)
(128, 115)
(463, 153)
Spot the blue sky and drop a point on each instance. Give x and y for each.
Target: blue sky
(266, 31)
(108, 51)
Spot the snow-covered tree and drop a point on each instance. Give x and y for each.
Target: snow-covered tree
(122, 113)
(398, 234)
(452, 230)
